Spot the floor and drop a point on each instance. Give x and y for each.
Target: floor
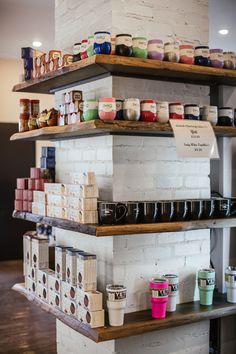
(24, 328)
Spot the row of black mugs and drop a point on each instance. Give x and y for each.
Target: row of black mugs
(111, 213)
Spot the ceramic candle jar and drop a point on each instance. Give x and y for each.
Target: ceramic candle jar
(84, 46)
(226, 116)
(229, 60)
(102, 43)
(186, 54)
(202, 55)
(210, 113)
(191, 111)
(124, 45)
(113, 45)
(90, 111)
(155, 49)
(131, 109)
(76, 51)
(119, 109)
(140, 47)
(176, 110)
(217, 58)
(171, 52)
(162, 112)
(90, 46)
(107, 108)
(148, 111)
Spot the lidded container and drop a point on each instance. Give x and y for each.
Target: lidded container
(76, 51)
(163, 112)
(155, 49)
(176, 110)
(24, 106)
(171, 52)
(124, 45)
(84, 46)
(90, 109)
(217, 58)
(34, 107)
(140, 47)
(210, 114)
(148, 111)
(113, 45)
(131, 109)
(107, 108)
(102, 42)
(202, 55)
(225, 116)
(192, 112)
(229, 60)
(186, 52)
(119, 109)
(90, 46)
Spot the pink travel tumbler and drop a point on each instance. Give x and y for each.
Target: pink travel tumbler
(159, 297)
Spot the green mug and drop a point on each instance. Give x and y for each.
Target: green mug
(206, 284)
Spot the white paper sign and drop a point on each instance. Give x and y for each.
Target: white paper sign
(194, 138)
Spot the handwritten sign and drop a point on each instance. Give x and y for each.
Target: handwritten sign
(194, 139)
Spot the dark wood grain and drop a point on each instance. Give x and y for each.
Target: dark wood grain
(99, 65)
(140, 322)
(132, 229)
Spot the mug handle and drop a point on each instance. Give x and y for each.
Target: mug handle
(121, 206)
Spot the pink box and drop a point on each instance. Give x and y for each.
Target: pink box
(25, 195)
(18, 194)
(30, 207)
(39, 184)
(35, 172)
(18, 205)
(30, 195)
(22, 183)
(25, 205)
(31, 184)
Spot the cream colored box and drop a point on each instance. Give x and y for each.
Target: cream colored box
(81, 190)
(42, 276)
(65, 304)
(90, 300)
(81, 203)
(68, 291)
(39, 197)
(54, 299)
(57, 200)
(56, 212)
(87, 271)
(32, 273)
(83, 178)
(54, 284)
(71, 265)
(93, 319)
(69, 307)
(40, 253)
(60, 261)
(54, 188)
(39, 209)
(31, 286)
(27, 250)
(42, 292)
(83, 216)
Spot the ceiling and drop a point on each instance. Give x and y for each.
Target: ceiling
(23, 21)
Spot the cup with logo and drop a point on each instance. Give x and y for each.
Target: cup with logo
(116, 302)
(230, 282)
(206, 284)
(159, 297)
(173, 281)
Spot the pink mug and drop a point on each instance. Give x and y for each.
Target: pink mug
(107, 108)
(159, 297)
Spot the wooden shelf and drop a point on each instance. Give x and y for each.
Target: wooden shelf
(133, 229)
(140, 322)
(98, 66)
(98, 127)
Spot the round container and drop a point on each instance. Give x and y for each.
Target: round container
(32, 123)
(225, 116)
(162, 112)
(107, 108)
(173, 291)
(34, 107)
(210, 113)
(131, 109)
(102, 42)
(186, 52)
(176, 110)
(140, 47)
(229, 60)
(159, 297)
(206, 284)
(90, 46)
(84, 46)
(116, 302)
(76, 51)
(217, 58)
(24, 106)
(202, 55)
(119, 109)
(230, 282)
(155, 49)
(171, 52)
(192, 112)
(148, 111)
(113, 45)
(23, 123)
(90, 111)
(124, 45)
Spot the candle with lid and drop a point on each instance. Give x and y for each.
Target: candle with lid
(102, 42)
(210, 113)
(76, 51)
(229, 60)
(186, 53)
(119, 109)
(148, 111)
(107, 108)
(84, 46)
(90, 109)
(124, 45)
(202, 55)
(176, 110)
(162, 112)
(155, 49)
(131, 109)
(171, 52)
(90, 51)
(140, 47)
(192, 112)
(225, 116)
(217, 58)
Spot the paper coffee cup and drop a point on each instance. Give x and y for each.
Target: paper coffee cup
(230, 282)
(173, 287)
(206, 284)
(116, 302)
(159, 297)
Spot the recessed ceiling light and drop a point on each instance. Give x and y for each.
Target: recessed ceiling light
(223, 32)
(36, 44)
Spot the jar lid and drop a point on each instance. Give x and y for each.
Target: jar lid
(176, 104)
(151, 41)
(186, 46)
(123, 35)
(84, 41)
(24, 116)
(92, 36)
(229, 53)
(24, 100)
(148, 101)
(191, 105)
(217, 50)
(202, 47)
(99, 32)
(107, 99)
(73, 250)
(34, 101)
(225, 107)
(143, 38)
(119, 100)
(77, 43)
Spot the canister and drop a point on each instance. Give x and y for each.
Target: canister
(84, 46)
(90, 109)
(119, 109)
(229, 60)
(163, 112)
(124, 45)
(225, 116)
(217, 58)
(210, 114)
(113, 45)
(192, 112)
(34, 107)
(202, 55)
(148, 111)
(90, 51)
(171, 52)
(131, 109)
(76, 51)
(176, 110)
(107, 108)
(23, 123)
(24, 106)
(186, 54)
(102, 42)
(139, 47)
(155, 49)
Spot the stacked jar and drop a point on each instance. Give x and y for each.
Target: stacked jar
(24, 114)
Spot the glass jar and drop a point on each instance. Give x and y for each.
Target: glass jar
(192, 112)
(217, 58)
(90, 46)
(23, 123)
(119, 109)
(202, 55)
(140, 47)
(131, 109)
(148, 111)
(76, 51)
(162, 112)
(102, 42)
(176, 110)
(124, 45)
(210, 114)
(155, 49)
(107, 108)
(84, 46)
(90, 109)
(225, 116)
(34, 107)
(24, 106)
(171, 52)
(32, 123)
(229, 60)
(113, 45)
(186, 52)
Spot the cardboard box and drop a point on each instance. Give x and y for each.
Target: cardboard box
(42, 292)
(81, 190)
(87, 271)
(32, 273)
(39, 197)
(18, 205)
(54, 299)
(57, 200)
(71, 265)
(56, 212)
(40, 253)
(73, 96)
(68, 291)
(93, 319)
(90, 300)
(27, 253)
(81, 203)
(87, 178)
(60, 262)
(19, 194)
(54, 188)
(39, 208)
(83, 216)
(31, 286)
(42, 277)
(54, 283)
(22, 183)
(35, 173)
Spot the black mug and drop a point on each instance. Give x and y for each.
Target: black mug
(165, 211)
(111, 213)
(148, 212)
(222, 207)
(180, 210)
(194, 209)
(232, 206)
(208, 207)
(132, 215)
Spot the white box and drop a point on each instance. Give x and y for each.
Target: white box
(54, 299)
(81, 190)
(42, 276)
(60, 262)
(93, 319)
(90, 300)
(27, 249)
(56, 212)
(87, 271)
(57, 200)
(68, 291)
(54, 188)
(31, 286)
(39, 209)
(71, 265)
(69, 307)
(81, 203)
(54, 284)
(65, 304)
(83, 216)
(42, 292)
(39, 197)
(32, 273)
(83, 178)
(40, 253)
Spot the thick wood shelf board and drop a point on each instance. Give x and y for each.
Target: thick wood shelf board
(119, 230)
(99, 65)
(98, 127)
(140, 322)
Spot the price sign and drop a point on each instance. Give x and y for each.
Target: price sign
(194, 138)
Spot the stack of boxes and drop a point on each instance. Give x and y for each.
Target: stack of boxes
(72, 288)
(71, 110)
